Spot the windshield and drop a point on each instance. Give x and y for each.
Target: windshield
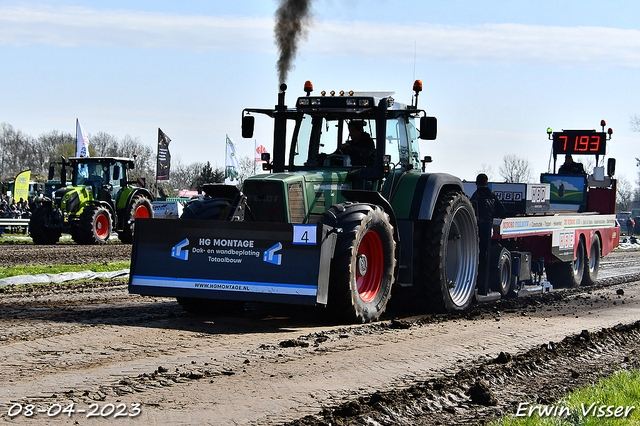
(316, 139)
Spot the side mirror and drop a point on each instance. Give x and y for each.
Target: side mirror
(428, 128)
(611, 167)
(248, 123)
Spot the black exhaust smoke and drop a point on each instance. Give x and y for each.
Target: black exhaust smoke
(292, 18)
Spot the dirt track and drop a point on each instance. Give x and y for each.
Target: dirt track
(96, 344)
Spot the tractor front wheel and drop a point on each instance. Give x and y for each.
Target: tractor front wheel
(363, 266)
(95, 224)
(140, 208)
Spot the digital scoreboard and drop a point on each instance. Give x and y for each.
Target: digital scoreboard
(580, 142)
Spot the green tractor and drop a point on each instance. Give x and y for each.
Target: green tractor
(330, 222)
(99, 200)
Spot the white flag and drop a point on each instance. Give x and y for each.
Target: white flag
(232, 167)
(82, 143)
(259, 150)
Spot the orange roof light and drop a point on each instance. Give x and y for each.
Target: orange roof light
(308, 87)
(603, 123)
(417, 86)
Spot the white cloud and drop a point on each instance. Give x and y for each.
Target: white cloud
(490, 43)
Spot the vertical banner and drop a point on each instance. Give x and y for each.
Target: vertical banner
(232, 167)
(259, 150)
(82, 143)
(21, 185)
(164, 156)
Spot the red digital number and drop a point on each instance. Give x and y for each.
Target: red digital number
(581, 143)
(595, 143)
(565, 142)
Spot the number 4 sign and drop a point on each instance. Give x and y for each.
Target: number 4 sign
(304, 234)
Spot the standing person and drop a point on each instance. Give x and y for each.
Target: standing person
(630, 225)
(487, 206)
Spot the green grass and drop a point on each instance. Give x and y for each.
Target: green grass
(589, 406)
(56, 269)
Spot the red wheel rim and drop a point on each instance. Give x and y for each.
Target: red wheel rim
(102, 226)
(141, 211)
(369, 260)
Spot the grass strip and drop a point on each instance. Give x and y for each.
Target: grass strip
(12, 271)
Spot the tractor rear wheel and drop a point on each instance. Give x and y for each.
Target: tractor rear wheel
(41, 234)
(140, 207)
(363, 265)
(449, 257)
(95, 225)
(592, 262)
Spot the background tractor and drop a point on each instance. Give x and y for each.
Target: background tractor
(99, 200)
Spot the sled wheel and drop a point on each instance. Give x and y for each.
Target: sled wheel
(592, 262)
(448, 264)
(568, 274)
(140, 207)
(95, 225)
(500, 278)
(363, 265)
(207, 209)
(41, 234)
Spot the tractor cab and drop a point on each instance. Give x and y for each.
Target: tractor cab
(322, 132)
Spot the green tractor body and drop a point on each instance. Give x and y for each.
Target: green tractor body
(97, 201)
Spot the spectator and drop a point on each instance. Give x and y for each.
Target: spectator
(630, 225)
(487, 206)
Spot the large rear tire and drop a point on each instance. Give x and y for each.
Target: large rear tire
(592, 262)
(95, 225)
(140, 208)
(41, 234)
(568, 274)
(363, 265)
(448, 265)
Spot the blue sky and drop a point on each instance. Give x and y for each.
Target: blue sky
(496, 74)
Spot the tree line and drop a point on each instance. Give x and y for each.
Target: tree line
(19, 152)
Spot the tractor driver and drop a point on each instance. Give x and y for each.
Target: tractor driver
(360, 147)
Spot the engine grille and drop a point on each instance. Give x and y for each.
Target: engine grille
(266, 200)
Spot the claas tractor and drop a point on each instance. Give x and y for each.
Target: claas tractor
(99, 200)
(325, 224)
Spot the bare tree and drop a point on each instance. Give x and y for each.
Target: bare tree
(624, 193)
(635, 123)
(515, 169)
(487, 170)
(183, 176)
(247, 168)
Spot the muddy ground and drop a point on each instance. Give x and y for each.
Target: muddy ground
(93, 343)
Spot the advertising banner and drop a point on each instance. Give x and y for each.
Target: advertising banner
(164, 156)
(228, 260)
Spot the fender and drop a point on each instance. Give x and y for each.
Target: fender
(428, 190)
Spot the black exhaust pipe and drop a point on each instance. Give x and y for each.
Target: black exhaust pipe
(280, 131)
